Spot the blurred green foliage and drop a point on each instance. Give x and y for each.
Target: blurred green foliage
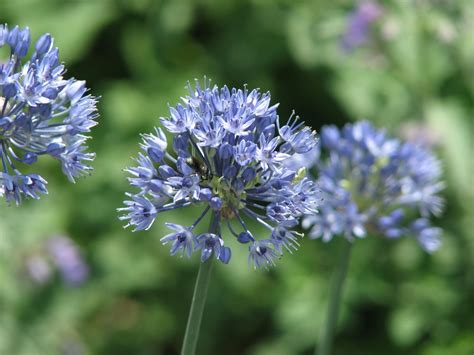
(417, 67)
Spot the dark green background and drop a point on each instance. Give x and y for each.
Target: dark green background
(138, 55)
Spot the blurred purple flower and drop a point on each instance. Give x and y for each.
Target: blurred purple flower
(358, 24)
(72, 267)
(38, 269)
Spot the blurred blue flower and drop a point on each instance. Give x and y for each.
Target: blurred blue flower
(228, 154)
(375, 184)
(358, 24)
(41, 113)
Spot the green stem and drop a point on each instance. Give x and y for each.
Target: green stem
(199, 299)
(335, 296)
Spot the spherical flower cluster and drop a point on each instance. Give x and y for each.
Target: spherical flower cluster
(375, 184)
(41, 113)
(228, 154)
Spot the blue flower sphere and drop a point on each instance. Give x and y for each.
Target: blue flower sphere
(376, 184)
(41, 113)
(227, 154)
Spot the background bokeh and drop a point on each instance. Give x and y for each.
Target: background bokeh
(406, 66)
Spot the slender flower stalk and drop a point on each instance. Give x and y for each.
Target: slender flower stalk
(335, 297)
(199, 299)
(41, 113)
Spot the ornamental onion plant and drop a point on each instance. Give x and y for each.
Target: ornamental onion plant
(225, 150)
(370, 184)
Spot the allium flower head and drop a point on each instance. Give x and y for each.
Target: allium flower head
(373, 183)
(225, 150)
(41, 113)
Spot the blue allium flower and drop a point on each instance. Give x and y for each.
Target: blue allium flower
(225, 151)
(374, 184)
(359, 23)
(41, 113)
